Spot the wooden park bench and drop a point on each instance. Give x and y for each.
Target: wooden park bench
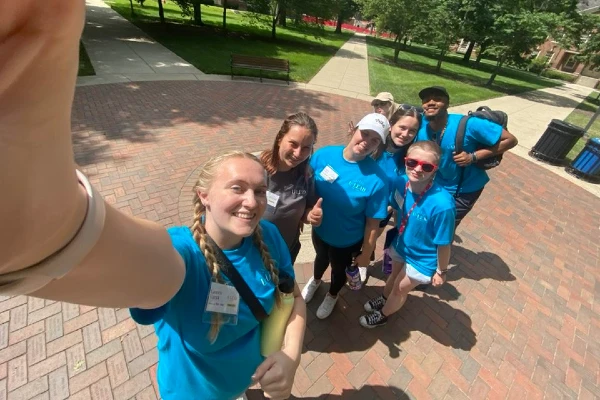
(261, 64)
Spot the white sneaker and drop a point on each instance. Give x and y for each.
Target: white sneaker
(309, 289)
(326, 306)
(242, 397)
(363, 273)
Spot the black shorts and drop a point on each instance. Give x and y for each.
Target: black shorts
(464, 203)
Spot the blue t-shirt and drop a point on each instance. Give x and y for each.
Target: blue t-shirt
(355, 190)
(478, 132)
(392, 164)
(189, 365)
(431, 224)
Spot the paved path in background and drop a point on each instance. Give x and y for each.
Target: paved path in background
(347, 70)
(121, 52)
(518, 317)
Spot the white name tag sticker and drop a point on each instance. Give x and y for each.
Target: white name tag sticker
(272, 199)
(329, 174)
(223, 299)
(399, 199)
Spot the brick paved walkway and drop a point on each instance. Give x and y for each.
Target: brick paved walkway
(516, 320)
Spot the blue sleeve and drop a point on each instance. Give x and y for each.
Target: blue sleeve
(278, 249)
(314, 160)
(378, 201)
(443, 225)
(483, 131)
(180, 238)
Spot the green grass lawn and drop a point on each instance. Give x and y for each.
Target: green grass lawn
(580, 117)
(416, 70)
(209, 49)
(85, 66)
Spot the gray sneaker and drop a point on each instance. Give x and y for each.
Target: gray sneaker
(375, 304)
(326, 306)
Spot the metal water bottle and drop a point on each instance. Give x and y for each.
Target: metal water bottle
(273, 327)
(353, 277)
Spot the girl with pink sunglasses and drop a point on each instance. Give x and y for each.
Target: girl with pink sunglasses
(425, 224)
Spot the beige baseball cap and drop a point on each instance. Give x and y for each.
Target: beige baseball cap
(383, 96)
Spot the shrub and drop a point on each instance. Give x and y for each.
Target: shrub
(538, 65)
(563, 76)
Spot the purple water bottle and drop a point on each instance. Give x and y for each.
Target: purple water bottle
(386, 266)
(353, 277)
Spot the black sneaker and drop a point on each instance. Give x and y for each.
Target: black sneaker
(375, 304)
(373, 320)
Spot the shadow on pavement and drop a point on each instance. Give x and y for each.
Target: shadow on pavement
(366, 392)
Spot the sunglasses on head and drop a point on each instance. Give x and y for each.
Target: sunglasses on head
(408, 107)
(427, 167)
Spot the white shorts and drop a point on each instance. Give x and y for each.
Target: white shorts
(411, 272)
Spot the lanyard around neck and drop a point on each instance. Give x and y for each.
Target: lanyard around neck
(404, 221)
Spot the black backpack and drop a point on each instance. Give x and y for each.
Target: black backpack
(499, 117)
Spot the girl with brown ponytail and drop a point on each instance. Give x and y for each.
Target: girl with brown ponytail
(291, 197)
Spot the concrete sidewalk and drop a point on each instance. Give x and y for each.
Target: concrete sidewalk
(121, 52)
(347, 72)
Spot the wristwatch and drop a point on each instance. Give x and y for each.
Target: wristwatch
(441, 272)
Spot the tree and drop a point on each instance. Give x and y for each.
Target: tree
(590, 49)
(515, 35)
(443, 26)
(190, 8)
(131, 6)
(161, 12)
(477, 18)
(225, 15)
(342, 10)
(400, 17)
(265, 12)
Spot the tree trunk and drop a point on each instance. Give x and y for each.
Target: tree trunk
(480, 54)
(467, 56)
(197, 13)
(274, 22)
(225, 16)
(161, 12)
(397, 48)
(340, 21)
(405, 41)
(282, 17)
(496, 71)
(131, 5)
(440, 60)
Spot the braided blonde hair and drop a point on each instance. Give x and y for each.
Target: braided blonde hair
(205, 179)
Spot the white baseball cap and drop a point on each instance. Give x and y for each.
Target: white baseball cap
(375, 122)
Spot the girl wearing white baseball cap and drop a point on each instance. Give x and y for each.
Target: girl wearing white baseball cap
(354, 190)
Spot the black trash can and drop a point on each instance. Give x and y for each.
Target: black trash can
(587, 163)
(556, 142)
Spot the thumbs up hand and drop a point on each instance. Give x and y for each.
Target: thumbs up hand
(315, 215)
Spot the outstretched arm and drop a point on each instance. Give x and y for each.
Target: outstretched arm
(43, 206)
